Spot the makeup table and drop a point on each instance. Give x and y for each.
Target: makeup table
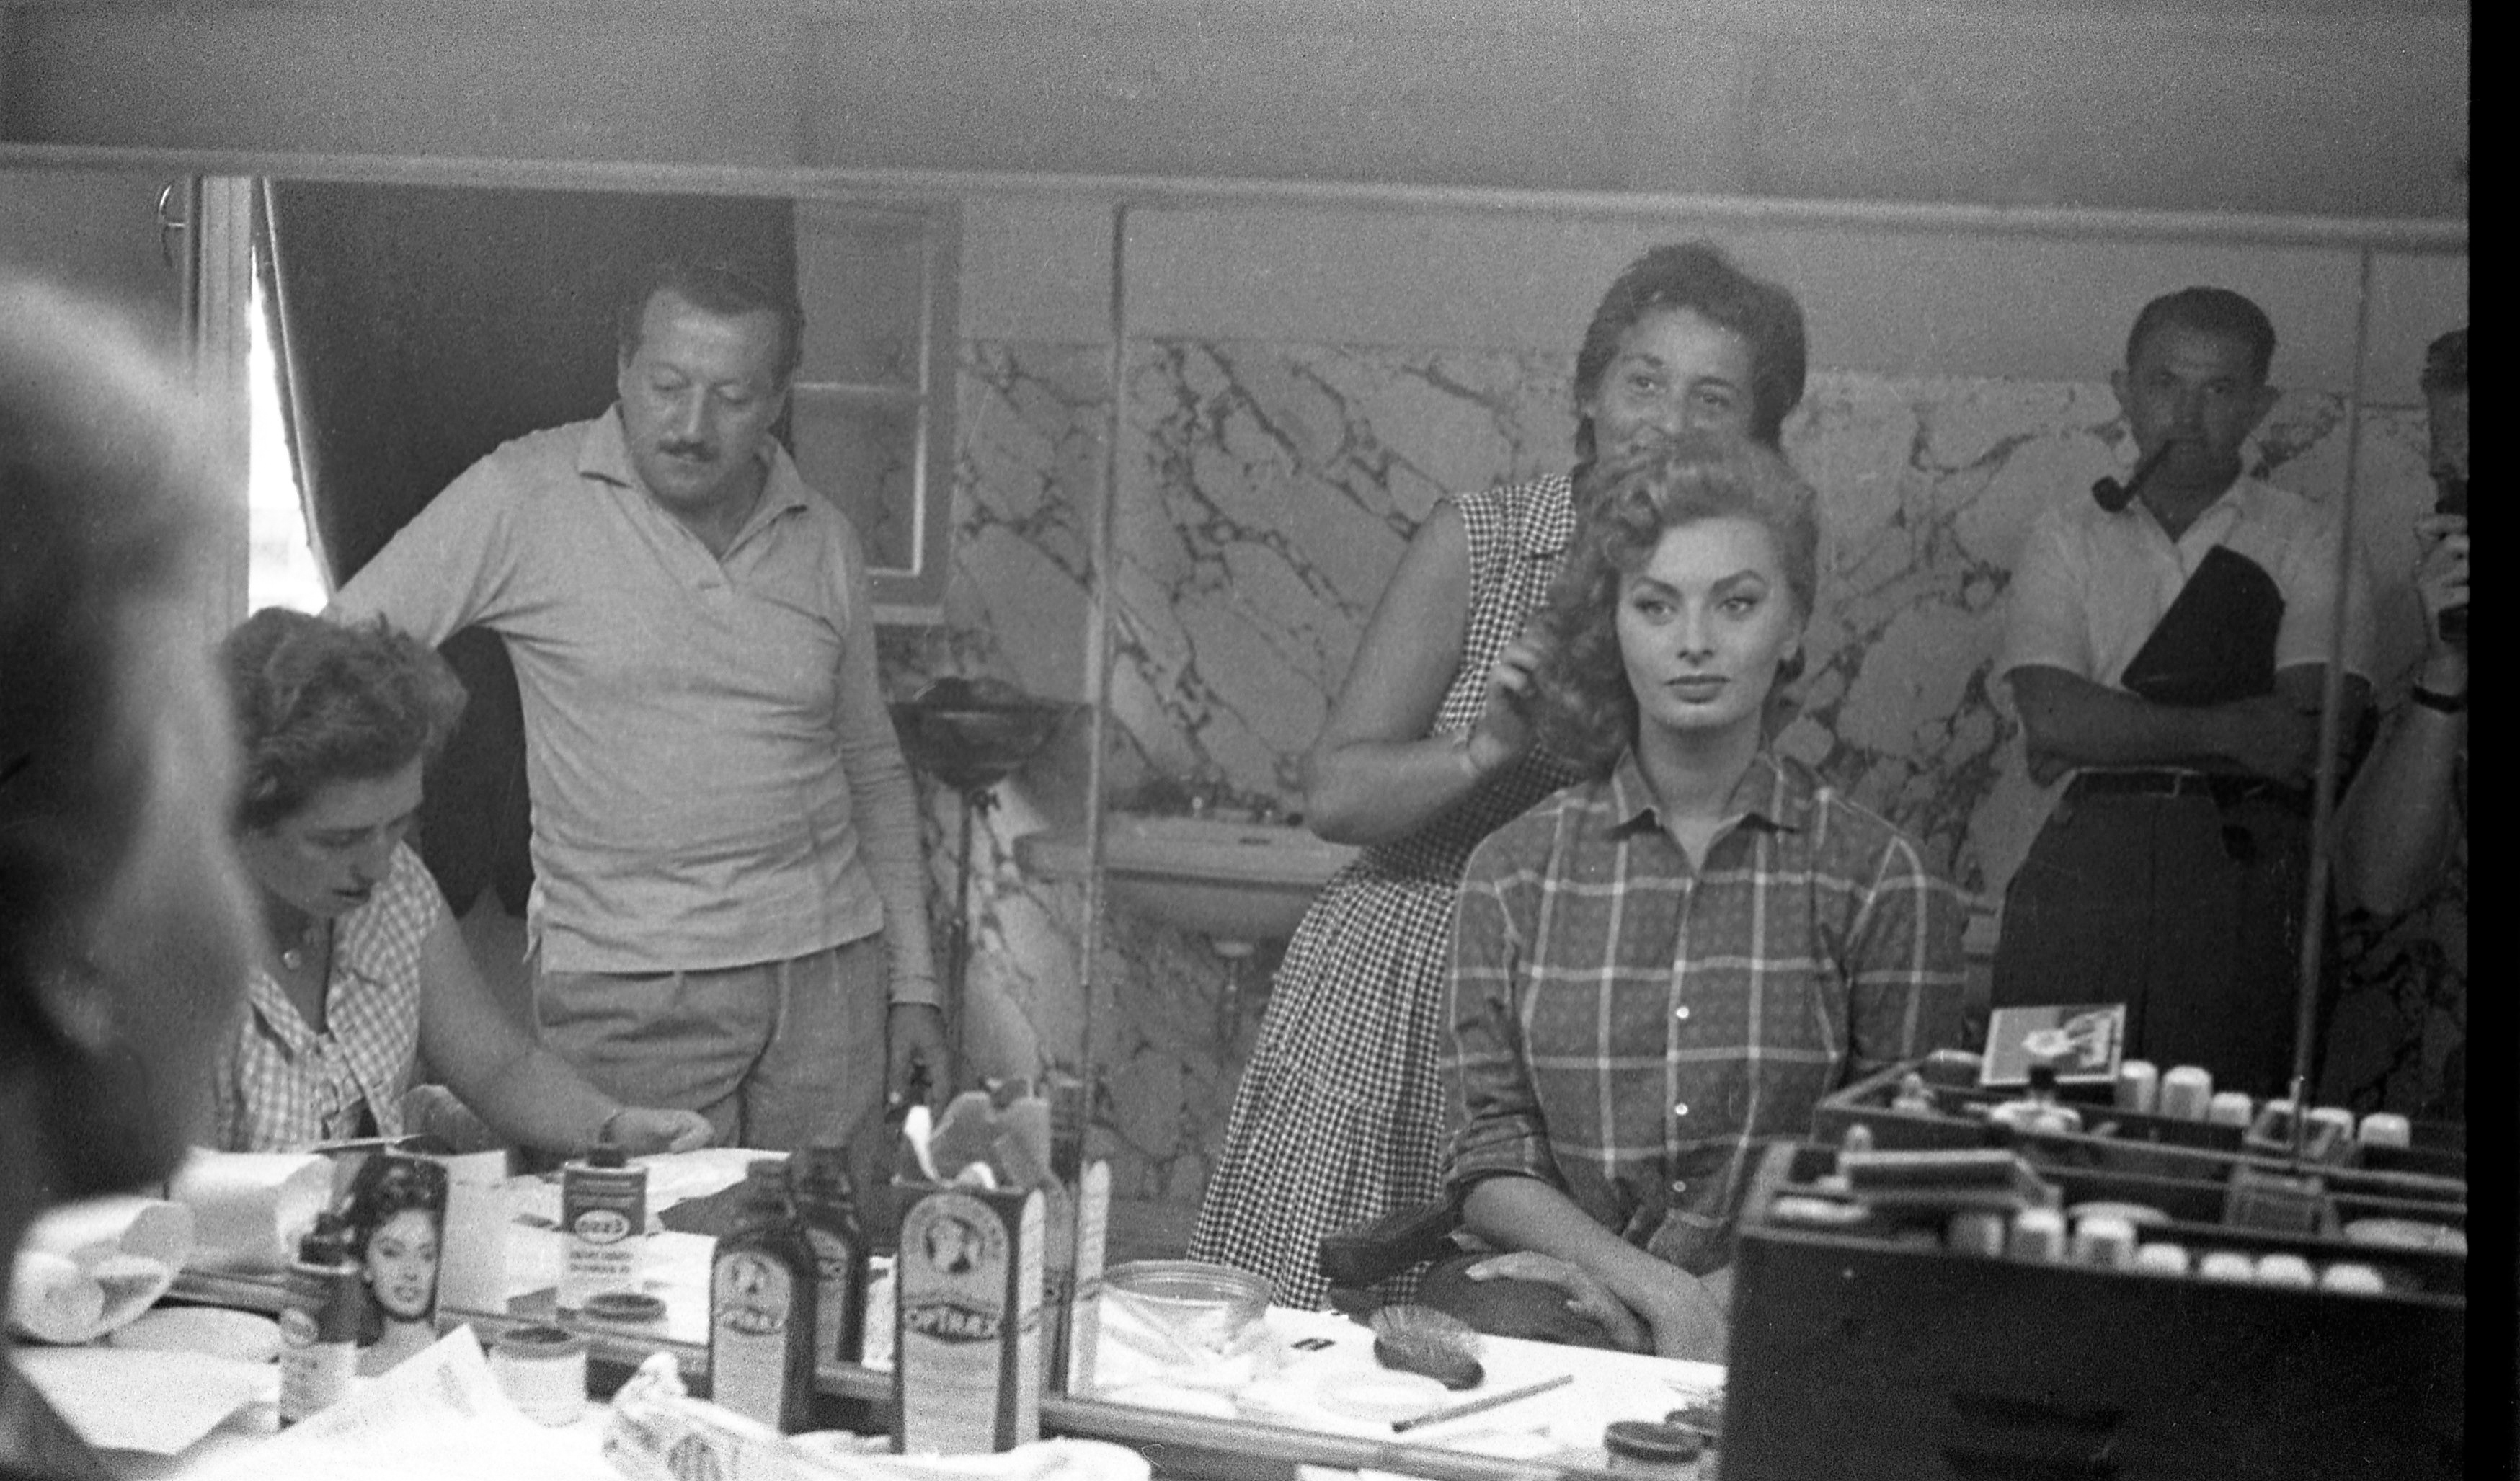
(1300, 1401)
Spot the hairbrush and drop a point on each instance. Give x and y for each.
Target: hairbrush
(1420, 1340)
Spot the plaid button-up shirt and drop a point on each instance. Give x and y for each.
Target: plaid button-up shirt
(283, 1087)
(1635, 1032)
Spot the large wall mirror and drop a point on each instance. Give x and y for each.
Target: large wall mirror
(1158, 448)
(415, 328)
(418, 326)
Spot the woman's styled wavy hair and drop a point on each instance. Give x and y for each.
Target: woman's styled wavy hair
(318, 703)
(1585, 710)
(1698, 276)
(384, 1187)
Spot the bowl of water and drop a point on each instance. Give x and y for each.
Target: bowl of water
(1206, 1310)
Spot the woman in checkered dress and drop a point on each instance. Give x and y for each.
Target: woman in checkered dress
(362, 969)
(1339, 1119)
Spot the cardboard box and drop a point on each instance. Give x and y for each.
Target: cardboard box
(1077, 1222)
(966, 1369)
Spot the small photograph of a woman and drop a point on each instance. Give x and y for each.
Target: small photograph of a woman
(397, 1214)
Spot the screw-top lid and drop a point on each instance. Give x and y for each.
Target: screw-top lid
(824, 1169)
(1656, 1444)
(606, 1154)
(765, 1184)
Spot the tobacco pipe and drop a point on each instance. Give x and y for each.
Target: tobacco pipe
(2112, 496)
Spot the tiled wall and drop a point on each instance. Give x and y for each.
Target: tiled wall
(1268, 484)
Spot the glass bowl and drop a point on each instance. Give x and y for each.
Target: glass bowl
(1207, 1309)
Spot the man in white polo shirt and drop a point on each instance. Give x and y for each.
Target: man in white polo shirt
(729, 909)
(2171, 652)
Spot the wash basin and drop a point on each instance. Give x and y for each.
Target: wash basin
(971, 735)
(1234, 883)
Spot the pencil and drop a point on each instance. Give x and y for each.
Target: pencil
(1480, 1406)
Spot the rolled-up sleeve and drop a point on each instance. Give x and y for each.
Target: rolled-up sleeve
(1904, 967)
(2044, 624)
(451, 566)
(2311, 595)
(1497, 1126)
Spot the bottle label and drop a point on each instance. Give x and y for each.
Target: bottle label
(835, 1277)
(314, 1373)
(603, 1216)
(751, 1298)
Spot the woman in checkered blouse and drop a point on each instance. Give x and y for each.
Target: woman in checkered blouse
(362, 967)
(1339, 1119)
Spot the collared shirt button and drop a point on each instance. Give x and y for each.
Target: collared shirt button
(1681, 1109)
(1680, 1012)
(1679, 1185)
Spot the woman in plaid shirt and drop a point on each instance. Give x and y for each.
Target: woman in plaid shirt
(1659, 970)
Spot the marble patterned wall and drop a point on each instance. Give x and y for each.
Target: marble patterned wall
(1268, 489)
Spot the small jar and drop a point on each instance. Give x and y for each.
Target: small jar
(2353, 1278)
(2162, 1258)
(2185, 1093)
(1978, 1231)
(2038, 1236)
(2105, 1241)
(2232, 1107)
(542, 1370)
(2386, 1129)
(1642, 1448)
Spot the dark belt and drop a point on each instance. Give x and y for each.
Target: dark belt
(2224, 790)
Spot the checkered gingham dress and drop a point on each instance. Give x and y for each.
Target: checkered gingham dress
(1339, 1118)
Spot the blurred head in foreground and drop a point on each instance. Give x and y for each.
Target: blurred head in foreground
(123, 922)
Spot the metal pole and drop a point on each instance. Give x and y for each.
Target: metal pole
(1104, 590)
(2332, 722)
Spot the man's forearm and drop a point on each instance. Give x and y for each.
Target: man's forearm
(2395, 830)
(887, 822)
(2071, 719)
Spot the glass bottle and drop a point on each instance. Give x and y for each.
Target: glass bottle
(762, 1282)
(319, 1328)
(826, 1200)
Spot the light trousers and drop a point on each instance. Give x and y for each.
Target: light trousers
(778, 1055)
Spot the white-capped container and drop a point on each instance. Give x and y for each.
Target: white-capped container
(2162, 1258)
(2226, 1264)
(2232, 1107)
(2187, 1090)
(2039, 1234)
(2105, 1241)
(2385, 1129)
(2139, 1087)
(542, 1370)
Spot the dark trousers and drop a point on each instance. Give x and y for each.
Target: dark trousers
(2186, 908)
